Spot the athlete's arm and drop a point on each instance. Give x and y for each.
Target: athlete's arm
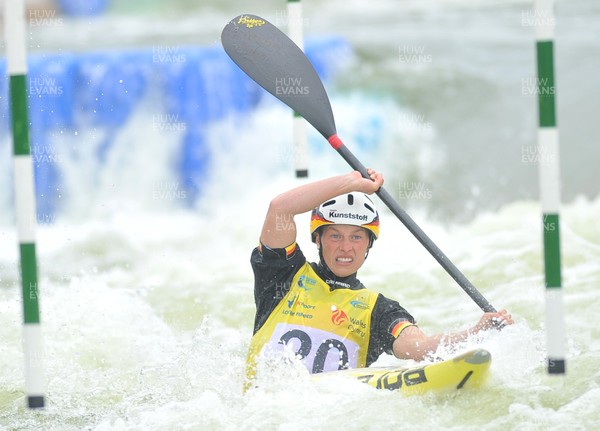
(413, 343)
(279, 229)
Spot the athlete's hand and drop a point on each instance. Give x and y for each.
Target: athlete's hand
(496, 320)
(366, 185)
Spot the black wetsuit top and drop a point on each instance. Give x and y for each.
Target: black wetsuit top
(274, 270)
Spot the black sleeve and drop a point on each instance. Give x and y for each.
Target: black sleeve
(274, 270)
(386, 314)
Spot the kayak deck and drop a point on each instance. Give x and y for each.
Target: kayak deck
(469, 369)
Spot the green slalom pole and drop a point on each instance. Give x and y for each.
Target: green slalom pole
(549, 174)
(300, 141)
(14, 23)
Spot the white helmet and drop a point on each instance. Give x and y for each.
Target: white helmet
(356, 209)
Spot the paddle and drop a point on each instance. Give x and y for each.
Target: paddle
(271, 59)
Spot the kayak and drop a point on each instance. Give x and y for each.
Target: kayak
(469, 369)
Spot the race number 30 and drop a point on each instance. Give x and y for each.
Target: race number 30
(319, 350)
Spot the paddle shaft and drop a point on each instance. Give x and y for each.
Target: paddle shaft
(413, 228)
(278, 65)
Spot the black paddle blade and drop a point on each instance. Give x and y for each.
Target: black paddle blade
(278, 65)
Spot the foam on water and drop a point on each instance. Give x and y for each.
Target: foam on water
(147, 308)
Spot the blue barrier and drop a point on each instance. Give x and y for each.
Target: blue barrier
(109, 85)
(205, 86)
(82, 7)
(51, 101)
(327, 54)
(71, 93)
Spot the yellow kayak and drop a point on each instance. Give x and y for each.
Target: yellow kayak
(469, 369)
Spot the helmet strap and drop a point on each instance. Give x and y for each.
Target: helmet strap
(321, 258)
(371, 241)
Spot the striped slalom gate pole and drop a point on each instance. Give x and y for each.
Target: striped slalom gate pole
(14, 24)
(549, 174)
(300, 142)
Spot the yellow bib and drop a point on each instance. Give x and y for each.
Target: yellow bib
(328, 330)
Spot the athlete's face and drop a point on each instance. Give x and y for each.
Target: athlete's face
(344, 248)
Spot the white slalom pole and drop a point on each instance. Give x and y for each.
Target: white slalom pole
(14, 24)
(549, 174)
(300, 142)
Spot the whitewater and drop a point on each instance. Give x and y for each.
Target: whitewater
(146, 297)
